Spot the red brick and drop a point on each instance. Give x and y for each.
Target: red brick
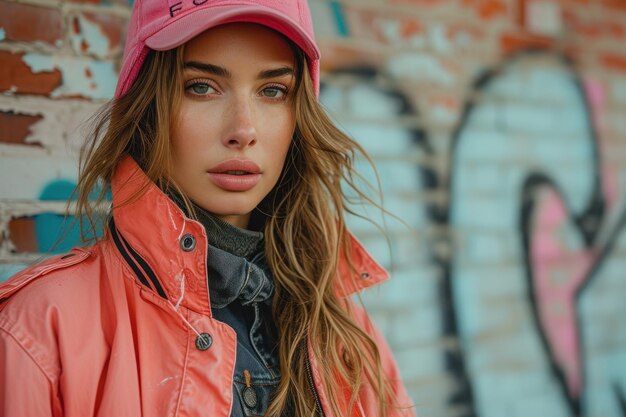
(337, 56)
(15, 127)
(492, 8)
(616, 29)
(619, 5)
(14, 73)
(22, 232)
(613, 61)
(512, 42)
(367, 24)
(23, 22)
(488, 9)
(577, 24)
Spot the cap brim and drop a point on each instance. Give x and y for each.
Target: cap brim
(195, 22)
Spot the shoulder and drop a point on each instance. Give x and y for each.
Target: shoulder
(63, 286)
(43, 277)
(37, 303)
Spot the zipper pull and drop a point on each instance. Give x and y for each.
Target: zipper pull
(249, 395)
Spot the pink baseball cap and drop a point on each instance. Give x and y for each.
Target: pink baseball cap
(165, 24)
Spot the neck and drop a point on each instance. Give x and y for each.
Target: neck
(238, 220)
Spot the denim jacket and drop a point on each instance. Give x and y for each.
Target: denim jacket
(241, 289)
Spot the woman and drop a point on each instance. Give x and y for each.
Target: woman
(222, 284)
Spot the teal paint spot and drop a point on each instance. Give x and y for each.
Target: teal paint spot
(57, 233)
(7, 271)
(340, 20)
(3, 34)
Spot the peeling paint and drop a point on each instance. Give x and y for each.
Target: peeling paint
(101, 85)
(3, 34)
(63, 128)
(90, 39)
(11, 91)
(398, 32)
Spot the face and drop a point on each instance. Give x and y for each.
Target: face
(236, 120)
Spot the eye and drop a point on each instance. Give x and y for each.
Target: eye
(275, 91)
(199, 88)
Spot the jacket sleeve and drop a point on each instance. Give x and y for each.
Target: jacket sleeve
(404, 404)
(25, 390)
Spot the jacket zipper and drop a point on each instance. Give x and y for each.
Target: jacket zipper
(309, 374)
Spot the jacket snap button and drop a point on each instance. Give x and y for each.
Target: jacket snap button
(365, 275)
(249, 397)
(188, 243)
(204, 341)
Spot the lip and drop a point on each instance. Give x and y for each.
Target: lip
(230, 182)
(235, 165)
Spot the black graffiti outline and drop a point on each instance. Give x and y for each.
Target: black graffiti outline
(619, 394)
(453, 359)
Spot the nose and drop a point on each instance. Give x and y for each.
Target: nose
(241, 132)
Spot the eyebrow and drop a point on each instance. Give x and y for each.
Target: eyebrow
(223, 72)
(278, 72)
(208, 68)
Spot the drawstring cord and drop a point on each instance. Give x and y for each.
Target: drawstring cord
(176, 307)
(182, 290)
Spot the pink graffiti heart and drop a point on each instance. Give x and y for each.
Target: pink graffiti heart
(560, 264)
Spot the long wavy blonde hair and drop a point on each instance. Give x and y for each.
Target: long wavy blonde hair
(308, 203)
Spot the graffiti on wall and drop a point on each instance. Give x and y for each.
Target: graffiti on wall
(550, 201)
(533, 279)
(531, 287)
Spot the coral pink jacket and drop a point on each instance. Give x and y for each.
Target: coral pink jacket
(113, 329)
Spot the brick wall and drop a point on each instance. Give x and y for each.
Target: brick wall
(58, 65)
(497, 127)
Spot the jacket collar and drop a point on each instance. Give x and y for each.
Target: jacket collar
(167, 251)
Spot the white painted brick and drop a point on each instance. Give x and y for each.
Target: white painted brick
(507, 393)
(420, 67)
(416, 326)
(405, 289)
(420, 362)
(41, 170)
